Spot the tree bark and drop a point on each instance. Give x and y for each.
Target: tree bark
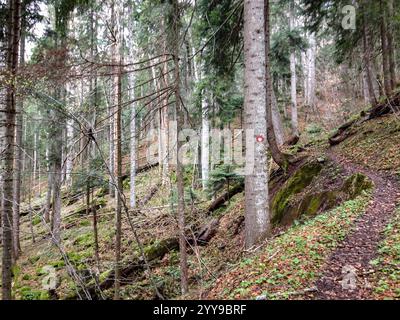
(385, 50)
(205, 136)
(18, 159)
(293, 78)
(367, 62)
(179, 167)
(131, 85)
(280, 158)
(118, 149)
(277, 120)
(13, 28)
(311, 56)
(390, 41)
(256, 187)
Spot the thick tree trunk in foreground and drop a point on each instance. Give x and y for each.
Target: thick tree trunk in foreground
(8, 153)
(256, 190)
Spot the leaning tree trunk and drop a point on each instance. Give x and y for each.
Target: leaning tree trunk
(257, 221)
(280, 158)
(13, 27)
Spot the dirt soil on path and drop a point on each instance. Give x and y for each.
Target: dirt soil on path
(344, 276)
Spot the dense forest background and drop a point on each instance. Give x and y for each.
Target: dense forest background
(199, 149)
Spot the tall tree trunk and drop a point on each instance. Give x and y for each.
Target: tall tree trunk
(367, 62)
(49, 183)
(18, 160)
(293, 77)
(164, 136)
(311, 56)
(13, 28)
(131, 85)
(56, 167)
(257, 221)
(385, 50)
(390, 31)
(179, 168)
(35, 156)
(304, 62)
(95, 233)
(69, 162)
(118, 148)
(205, 136)
(280, 158)
(277, 120)
(132, 197)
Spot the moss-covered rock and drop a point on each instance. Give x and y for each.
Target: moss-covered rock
(356, 184)
(296, 184)
(313, 203)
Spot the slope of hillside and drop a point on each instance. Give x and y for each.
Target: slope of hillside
(316, 218)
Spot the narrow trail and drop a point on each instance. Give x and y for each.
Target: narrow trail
(344, 276)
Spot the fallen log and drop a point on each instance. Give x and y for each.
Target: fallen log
(390, 105)
(150, 195)
(220, 201)
(153, 253)
(342, 133)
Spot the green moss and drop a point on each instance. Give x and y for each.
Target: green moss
(26, 277)
(313, 203)
(159, 248)
(36, 221)
(57, 264)
(297, 183)
(85, 223)
(34, 259)
(85, 240)
(356, 184)
(27, 293)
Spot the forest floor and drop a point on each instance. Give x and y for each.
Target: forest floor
(350, 263)
(309, 257)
